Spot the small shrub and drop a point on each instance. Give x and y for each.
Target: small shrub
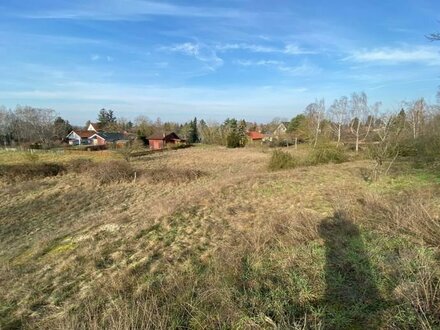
(275, 143)
(326, 154)
(281, 160)
(111, 171)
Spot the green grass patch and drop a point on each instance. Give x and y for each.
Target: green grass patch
(411, 180)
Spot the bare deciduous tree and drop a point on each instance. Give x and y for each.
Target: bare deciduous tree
(33, 125)
(388, 134)
(338, 114)
(362, 117)
(416, 111)
(316, 113)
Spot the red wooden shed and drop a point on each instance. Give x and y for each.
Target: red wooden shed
(159, 141)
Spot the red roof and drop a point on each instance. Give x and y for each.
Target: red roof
(255, 135)
(84, 134)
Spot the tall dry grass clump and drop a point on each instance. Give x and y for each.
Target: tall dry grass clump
(170, 175)
(417, 275)
(30, 171)
(111, 171)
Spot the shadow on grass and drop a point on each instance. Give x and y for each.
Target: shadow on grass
(351, 298)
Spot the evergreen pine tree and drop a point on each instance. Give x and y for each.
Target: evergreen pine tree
(106, 117)
(242, 133)
(233, 138)
(193, 133)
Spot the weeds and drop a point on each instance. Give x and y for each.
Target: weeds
(192, 244)
(111, 171)
(281, 160)
(165, 175)
(29, 171)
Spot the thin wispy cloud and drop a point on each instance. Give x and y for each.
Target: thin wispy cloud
(290, 49)
(258, 63)
(414, 54)
(303, 69)
(128, 10)
(194, 48)
(97, 57)
(199, 51)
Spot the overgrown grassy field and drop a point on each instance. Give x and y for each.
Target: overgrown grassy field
(209, 237)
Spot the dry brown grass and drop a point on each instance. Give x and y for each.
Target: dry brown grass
(113, 171)
(207, 237)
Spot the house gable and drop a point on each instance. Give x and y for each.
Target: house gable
(95, 127)
(73, 136)
(280, 130)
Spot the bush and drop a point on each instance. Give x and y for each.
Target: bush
(327, 154)
(281, 160)
(79, 165)
(111, 171)
(233, 140)
(30, 171)
(275, 143)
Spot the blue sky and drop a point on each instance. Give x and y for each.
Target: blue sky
(250, 59)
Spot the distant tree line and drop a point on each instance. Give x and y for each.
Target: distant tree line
(351, 121)
(26, 125)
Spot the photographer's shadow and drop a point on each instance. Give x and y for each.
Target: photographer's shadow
(351, 300)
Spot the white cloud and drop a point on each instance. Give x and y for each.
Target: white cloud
(128, 10)
(249, 47)
(199, 51)
(293, 49)
(304, 69)
(97, 57)
(417, 54)
(289, 49)
(258, 63)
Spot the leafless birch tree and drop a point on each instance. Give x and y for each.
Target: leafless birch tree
(338, 114)
(416, 112)
(362, 117)
(316, 113)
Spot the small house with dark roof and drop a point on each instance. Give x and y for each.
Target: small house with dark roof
(79, 137)
(159, 141)
(103, 138)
